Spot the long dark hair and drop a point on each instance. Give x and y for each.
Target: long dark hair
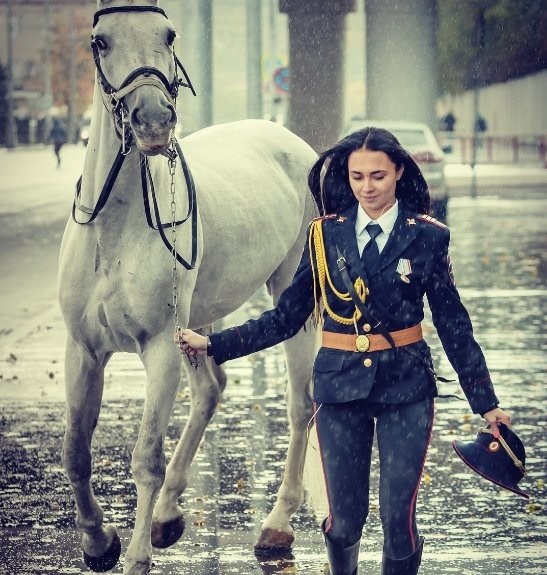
(328, 179)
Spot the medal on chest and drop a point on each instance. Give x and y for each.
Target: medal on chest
(404, 269)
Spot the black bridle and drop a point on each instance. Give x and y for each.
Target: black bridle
(172, 87)
(113, 98)
(113, 101)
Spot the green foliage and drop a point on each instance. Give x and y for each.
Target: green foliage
(482, 42)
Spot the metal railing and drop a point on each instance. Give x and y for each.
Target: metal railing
(495, 149)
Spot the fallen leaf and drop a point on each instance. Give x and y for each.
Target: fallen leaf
(240, 485)
(533, 508)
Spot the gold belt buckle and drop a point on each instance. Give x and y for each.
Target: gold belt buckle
(362, 343)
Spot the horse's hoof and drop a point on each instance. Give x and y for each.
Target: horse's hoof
(138, 568)
(279, 557)
(273, 540)
(106, 561)
(166, 534)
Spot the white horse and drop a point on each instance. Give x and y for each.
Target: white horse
(120, 289)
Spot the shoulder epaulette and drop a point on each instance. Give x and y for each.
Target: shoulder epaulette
(327, 217)
(432, 220)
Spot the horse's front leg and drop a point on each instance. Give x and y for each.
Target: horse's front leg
(84, 380)
(206, 385)
(162, 362)
(277, 533)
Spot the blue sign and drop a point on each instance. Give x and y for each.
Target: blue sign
(281, 79)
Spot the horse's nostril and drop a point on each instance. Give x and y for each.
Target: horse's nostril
(173, 118)
(166, 116)
(135, 119)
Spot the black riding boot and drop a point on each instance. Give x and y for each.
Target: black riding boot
(407, 566)
(342, 560)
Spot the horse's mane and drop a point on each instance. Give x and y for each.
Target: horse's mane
(112, 3)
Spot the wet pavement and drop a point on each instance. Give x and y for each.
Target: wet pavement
(471, 526)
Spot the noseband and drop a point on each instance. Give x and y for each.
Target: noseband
(113, 98)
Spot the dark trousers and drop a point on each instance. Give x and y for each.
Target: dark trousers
(345, 432)
(57, 150)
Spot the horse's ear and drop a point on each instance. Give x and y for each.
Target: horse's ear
(116, 3)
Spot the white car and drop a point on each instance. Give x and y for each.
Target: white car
(418, 139)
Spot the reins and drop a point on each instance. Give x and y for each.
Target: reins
(192, 205)
(114, 104)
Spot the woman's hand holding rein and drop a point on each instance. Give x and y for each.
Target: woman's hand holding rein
(193, 343)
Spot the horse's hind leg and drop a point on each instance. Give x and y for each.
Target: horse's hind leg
(277, 533)
(206, 384)
(84, 379)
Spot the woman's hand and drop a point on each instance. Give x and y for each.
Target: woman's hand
(495, 416)
(193, 343)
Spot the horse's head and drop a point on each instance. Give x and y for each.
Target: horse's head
(136, 66)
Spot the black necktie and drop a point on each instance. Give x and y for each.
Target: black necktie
(370, 254)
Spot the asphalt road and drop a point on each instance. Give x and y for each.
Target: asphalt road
(35, 201)
(471, 526)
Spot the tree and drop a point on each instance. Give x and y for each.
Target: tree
(62, 51)
(514, 33)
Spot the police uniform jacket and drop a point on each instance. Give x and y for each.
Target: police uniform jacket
(396, 375)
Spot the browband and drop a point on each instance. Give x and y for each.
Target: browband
(100, 13)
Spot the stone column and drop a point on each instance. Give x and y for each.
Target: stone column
(401, 60)
(316, 62)
(254, 59)
(11, 131)
(193, 20)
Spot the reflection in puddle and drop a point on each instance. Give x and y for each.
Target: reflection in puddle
(238, 467)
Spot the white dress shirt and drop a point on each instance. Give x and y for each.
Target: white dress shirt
(386, 221)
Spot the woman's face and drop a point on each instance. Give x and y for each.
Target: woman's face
(373, 178)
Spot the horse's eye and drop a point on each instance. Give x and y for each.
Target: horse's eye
(171, 35)
(100, 42)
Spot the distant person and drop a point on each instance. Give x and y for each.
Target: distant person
(480, 124)
(449, 121)
(58, 136)
(367, 265)
(480, 127)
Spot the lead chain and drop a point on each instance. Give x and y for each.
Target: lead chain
(171, 163)
(192, 357)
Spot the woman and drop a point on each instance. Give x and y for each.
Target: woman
(374, 370)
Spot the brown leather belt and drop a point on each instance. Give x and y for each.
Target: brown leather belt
(373, 342)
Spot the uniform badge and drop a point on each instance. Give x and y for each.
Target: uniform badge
(341, 219)
(404, 269)
(411, 221)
